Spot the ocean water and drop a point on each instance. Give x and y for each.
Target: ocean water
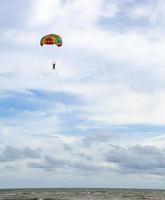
(81, 194)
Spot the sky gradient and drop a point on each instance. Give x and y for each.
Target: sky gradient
(112, 72)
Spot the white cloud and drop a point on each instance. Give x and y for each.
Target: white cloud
(118, 76)
(153, 12)
(56, 12)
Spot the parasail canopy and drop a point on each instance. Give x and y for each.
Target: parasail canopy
(51, 39)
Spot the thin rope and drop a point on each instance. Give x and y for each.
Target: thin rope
(65, 103)
(69, 119)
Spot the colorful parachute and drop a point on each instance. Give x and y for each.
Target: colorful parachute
(51, 39)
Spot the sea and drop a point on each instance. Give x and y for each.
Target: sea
(81, 194)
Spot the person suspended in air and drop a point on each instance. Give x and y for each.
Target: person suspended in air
(54, 65)
(51, 39)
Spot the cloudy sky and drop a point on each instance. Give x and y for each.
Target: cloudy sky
(111, 130)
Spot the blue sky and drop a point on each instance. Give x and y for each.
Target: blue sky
(111, 66)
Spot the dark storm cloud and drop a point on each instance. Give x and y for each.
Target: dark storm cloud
(138, 159)
(11, 153)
